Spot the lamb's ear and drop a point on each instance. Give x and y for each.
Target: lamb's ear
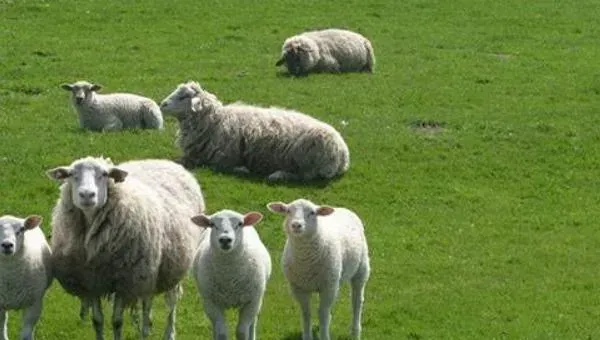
(60, 173)
(280, 61)
(252, 218)
(278, 207)
(96, 87)
(32, 222)
(117, 174)
(66, 87)
(202, 221)
(324, 210)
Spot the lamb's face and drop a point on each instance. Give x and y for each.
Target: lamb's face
(12, 232)
(300, 216)
(227, 227)
(89, 180)
(81, 91)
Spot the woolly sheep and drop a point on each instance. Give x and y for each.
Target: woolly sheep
(25, 271)
(280, 143)
(114, 111)
(231, 270)
(331, 50)
(120, 230)
(325, 246)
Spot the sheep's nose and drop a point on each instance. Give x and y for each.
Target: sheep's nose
(225, 242)
(163, 103)
(79, 100)
(7, 246)
(296, 225)
(86, 194)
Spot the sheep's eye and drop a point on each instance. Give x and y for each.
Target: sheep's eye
(240, 224)
(105, 174)
(183, 97)
(312, 213)
(22, 229)
(211, 224)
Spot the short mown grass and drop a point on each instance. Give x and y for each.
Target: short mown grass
(475, 148)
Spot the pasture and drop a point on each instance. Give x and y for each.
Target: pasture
(474, 148)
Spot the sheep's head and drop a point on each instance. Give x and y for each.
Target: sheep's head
(299, 55)
(81, 90)
(300, 216)
(89, 179)
(12, 230)
(188, 98)
(227, 227)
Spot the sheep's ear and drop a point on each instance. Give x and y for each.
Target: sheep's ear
(59, 174)
(324, 210)
(32, 222)
(96, 87)
(280, 61)
(117, 174)
(196, 104)
(252, 218)
(278, 207)
(66, 87)
(202, 221)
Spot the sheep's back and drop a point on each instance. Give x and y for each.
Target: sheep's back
(347, 47)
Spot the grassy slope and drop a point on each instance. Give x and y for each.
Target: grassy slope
(486, 230)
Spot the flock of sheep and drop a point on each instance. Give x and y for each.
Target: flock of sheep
(133, 230)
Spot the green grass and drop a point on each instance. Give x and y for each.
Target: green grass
(485, 229)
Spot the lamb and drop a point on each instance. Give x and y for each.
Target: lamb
(231, 270)
(285, 145)
(25, 271)
(325, 246)
(112, 112)
(118, 229)
(330, 50)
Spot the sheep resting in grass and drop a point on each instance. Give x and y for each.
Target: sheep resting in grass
(325, 246)
(125, 230)
(231, 269)
(240, 138)
(114, 111)
(25, 271)
(330, 50)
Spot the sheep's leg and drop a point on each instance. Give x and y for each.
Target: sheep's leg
(117, 317)
(115, 125)
(3, 323)
(281, 175)
(303, 299)
(84, 308)
(31, 315)
(358, 297)
(247, 320)
(171, 298)
(98, 318)
(217, 318)
(326, 300)
(146, 317)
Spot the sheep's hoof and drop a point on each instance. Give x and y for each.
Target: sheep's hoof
(241, 170)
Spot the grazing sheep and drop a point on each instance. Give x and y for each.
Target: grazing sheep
(231, 269)
(325, 246)
(280, 143)
(25, 271)
(114, 111)
(121, 230)
(330, 50)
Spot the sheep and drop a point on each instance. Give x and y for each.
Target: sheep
(114, 111)
(330, 50)
(25, 271)
(285, 145)
(325, 246)
(119, 229)
(231, 270)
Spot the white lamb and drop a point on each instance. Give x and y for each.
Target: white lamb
(25, 271)
(280, 143)
(123, 230)
(114, 111)
(331, 50)
(231, 269)
(325, 246)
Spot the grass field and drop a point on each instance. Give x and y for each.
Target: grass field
(483, 228)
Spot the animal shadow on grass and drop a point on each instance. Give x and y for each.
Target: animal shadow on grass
(315, 333)
(317, 183)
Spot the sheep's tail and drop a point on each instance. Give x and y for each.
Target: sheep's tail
(370, 65)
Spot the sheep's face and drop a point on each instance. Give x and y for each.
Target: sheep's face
(300, 216)
(81, 91)
(299, 55)
(89, 179)
(12, 232)
(227, 227)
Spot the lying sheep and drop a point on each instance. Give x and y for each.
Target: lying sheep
(123, 230)
(280, 143)
(325, 246)
(330, 50)
(231, 269)
(25, 271)
(113, 112)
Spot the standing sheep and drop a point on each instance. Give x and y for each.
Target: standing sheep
(325, 246)
(231, 269)
(331, 50)
(122, 229)
(280, 143)
(25, 271)
(113, 112)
